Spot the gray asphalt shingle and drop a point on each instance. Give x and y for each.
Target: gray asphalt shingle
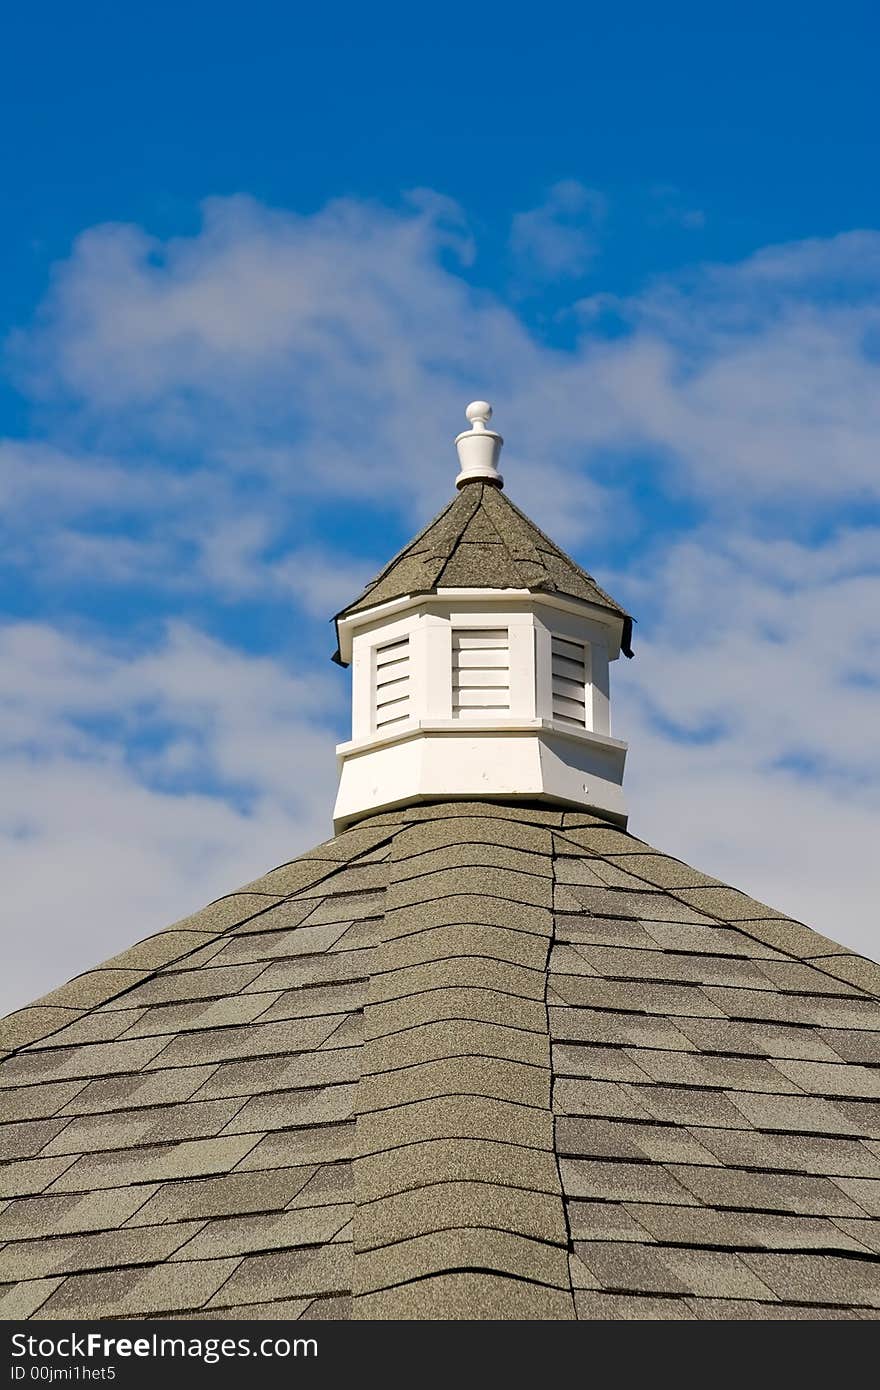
(342, 1093)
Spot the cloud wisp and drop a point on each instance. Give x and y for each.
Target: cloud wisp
(560, 238)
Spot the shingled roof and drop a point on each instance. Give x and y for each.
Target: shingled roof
(465, 1060)
(481, 539)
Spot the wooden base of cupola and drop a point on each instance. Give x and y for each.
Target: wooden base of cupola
(537, 760)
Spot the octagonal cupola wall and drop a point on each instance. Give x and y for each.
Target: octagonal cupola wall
(480, 660)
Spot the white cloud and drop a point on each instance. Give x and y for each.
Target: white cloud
(324, 356)
(322, 580)
(776, 657)
(559, 238)
(34, 475)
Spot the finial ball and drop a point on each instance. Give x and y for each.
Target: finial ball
(479, 410)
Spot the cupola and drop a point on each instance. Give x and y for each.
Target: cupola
(480, 660)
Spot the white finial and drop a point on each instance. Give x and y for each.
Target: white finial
(479, 413)
(479, 448)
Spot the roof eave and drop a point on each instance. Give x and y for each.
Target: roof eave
(347, 621)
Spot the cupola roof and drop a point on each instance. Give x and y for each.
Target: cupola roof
(482, 540)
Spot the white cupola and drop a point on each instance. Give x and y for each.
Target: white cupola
(480, 662)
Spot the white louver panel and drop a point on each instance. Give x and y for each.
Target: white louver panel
(392, 683)
(570, 682)
(480, 672)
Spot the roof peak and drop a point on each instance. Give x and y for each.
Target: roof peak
(479, 448)
(482, 539)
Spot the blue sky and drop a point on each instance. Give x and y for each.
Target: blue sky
(255, 262)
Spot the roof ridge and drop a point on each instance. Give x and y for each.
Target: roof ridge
(477, 509)
(475, 506)
(525, 549)
(468, 504)
(481, 513)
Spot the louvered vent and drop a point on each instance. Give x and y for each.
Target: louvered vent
(570, 682)
(480, 672)
(392, 683)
